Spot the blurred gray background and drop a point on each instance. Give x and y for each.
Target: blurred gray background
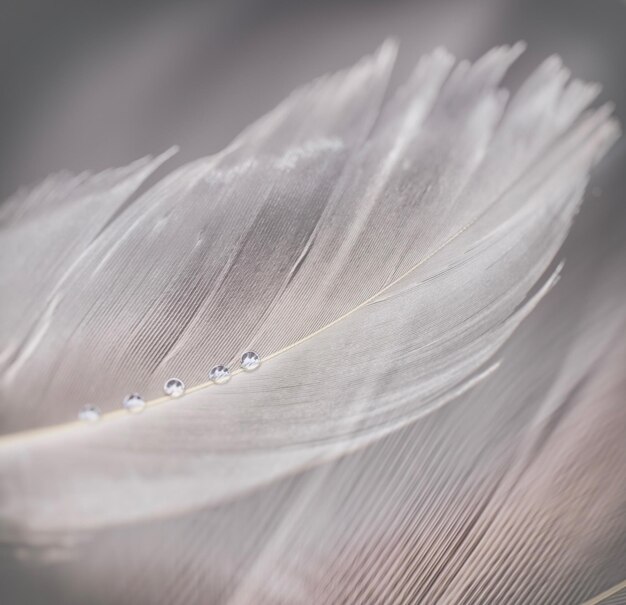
(89, 85)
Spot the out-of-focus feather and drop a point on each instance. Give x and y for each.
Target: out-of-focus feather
(45, 232)
(613, 596)
(377, 259)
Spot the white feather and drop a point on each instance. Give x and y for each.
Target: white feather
(377, 256)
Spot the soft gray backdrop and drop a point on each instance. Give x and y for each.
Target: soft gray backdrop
(98, 84)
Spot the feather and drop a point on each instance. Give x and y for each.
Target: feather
(378, 251)
(35, 261)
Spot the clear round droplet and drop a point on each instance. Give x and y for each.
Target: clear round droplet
(134, 403)
(89, 413)
(174, 387)
(250, 361)
(219, 374)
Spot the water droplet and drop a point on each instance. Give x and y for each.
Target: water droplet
(134, 403)
(250, 361)
(219, 374)
(174, 387)
(89, 413)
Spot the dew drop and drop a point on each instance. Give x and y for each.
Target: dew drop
(174, 388)
(219, 374)
(89, 413)
(250, 361)
(134, 403)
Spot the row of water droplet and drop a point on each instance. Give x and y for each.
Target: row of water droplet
(174, 388)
